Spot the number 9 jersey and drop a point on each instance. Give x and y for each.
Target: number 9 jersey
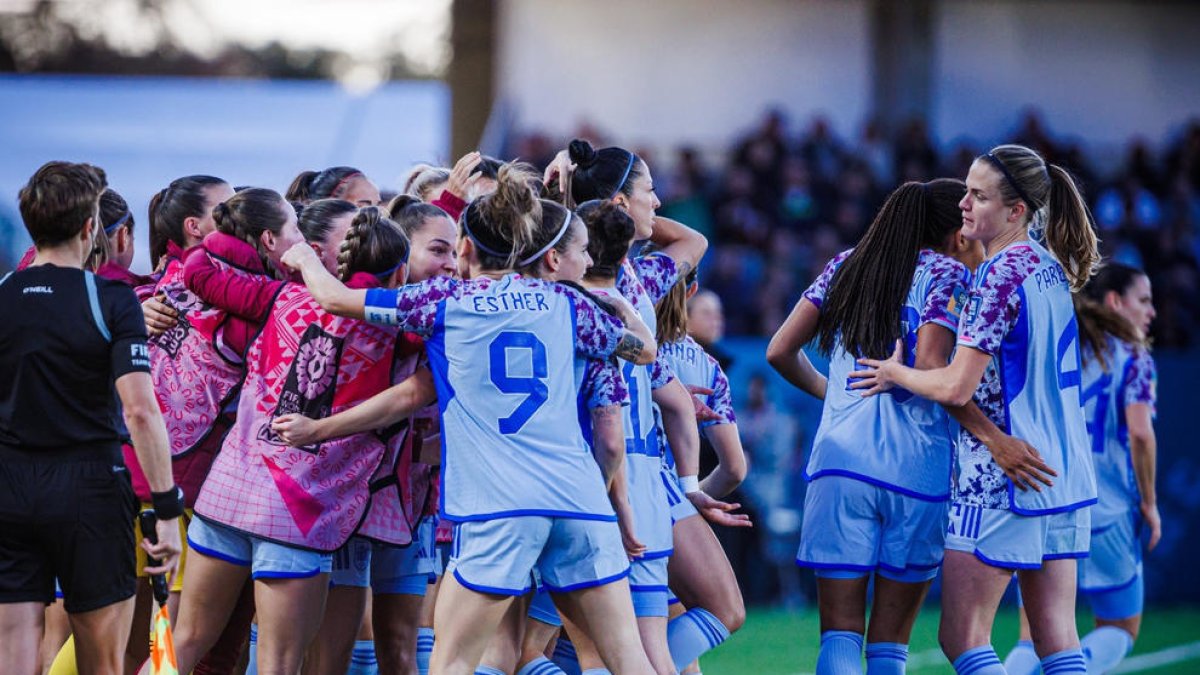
(1020, 312)
(506, 357)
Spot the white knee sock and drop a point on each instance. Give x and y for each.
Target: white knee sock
(1023, 660)
(1104, 648)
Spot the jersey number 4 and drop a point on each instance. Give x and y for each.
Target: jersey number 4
(533, 386)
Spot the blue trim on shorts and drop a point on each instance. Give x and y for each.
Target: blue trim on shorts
(1109, 589)
(1103, 528)
(910, 568)
(1012, 504)
(1006, 565)
(589, 584)
(1065, 556)
(843, 473)
(216, 554)
(649, 589)
(488, 589)
(269, 574)
(544, 513)
(837, 567)
(655, 555)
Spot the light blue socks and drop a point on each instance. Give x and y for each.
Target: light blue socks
(693, 633)
(979, 661)
(540, 666)
(1064, 662)
(362, 659)
(886, 658)
(841, 653)
(424, 649)
(1023, 660)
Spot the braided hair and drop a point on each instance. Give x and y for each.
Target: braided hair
(915, 216)
(374, 244)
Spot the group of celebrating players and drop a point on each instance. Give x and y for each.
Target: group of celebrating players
(459, 432)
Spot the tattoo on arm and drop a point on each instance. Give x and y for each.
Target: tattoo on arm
(684, 267)
(605, 412)
(629, 347)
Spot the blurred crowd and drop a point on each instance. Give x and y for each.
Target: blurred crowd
(781, 203)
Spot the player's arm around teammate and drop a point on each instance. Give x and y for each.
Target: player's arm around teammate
(1022, 291)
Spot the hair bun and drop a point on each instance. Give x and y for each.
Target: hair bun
(220, 212)
(582, 153)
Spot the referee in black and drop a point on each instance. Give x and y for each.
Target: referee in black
(66, 504)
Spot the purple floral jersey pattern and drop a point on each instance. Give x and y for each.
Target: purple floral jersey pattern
(815, 293)
(947, 280)
(992, 310)
(660, 372)
(721, 400)
(1142, 378)
(657, 272)
(603, 385)
(414, 309)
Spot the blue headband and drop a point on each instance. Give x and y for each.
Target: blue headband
(466, 221)
(109, 229)
(388, 272)
(625, 177)
(995, 161)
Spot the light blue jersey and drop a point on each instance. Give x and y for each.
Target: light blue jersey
(896, 441)
(1020, 313)
(506, 356)
(1128, 379)
(643, 451)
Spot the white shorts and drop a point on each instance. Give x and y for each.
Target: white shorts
(648, 583)
(500, 556)
(1004, 539)
(852, 528)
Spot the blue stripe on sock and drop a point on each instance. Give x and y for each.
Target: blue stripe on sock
(975, 659)
(720, 632)
(705, 629)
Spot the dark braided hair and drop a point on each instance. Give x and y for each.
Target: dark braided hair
(374, 244)
(861, 310)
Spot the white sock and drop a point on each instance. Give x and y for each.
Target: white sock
(1104, 648)
(252, 651)
(841, 653)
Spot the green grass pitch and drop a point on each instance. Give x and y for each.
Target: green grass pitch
(776, 642)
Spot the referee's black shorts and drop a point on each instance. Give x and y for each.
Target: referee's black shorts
(66, 515)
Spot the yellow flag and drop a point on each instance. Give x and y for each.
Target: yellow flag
(162, 645)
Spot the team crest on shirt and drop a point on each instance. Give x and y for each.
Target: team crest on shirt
(957, 300)
(310, 384)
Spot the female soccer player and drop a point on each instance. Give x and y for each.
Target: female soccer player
(337, 182)
(1114, 311)
(516, 490)
(1018, 356)
(617, 175)
(880, 467)
(66, 504)
(275, 513)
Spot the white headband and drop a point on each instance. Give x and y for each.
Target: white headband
(561, 231)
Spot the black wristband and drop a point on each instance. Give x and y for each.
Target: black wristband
(169, 504)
